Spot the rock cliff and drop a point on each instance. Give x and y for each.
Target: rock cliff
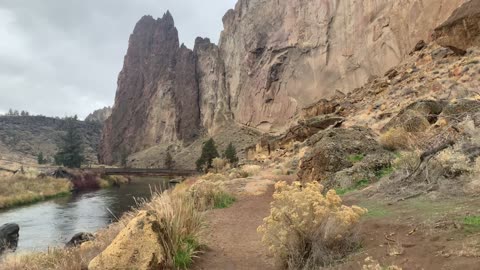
(100, 115)
(273, 59)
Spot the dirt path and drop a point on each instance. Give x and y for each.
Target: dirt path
(233, 241)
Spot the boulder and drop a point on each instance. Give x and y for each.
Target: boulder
(335, 150)
(9, 234)
(138, 246)
(417, 116)
(79, 239)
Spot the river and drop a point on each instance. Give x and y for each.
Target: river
(54, 222)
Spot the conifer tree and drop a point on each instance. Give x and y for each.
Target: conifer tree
(209, 152)
(70, 152)
(169, 162)
(231, 154)
(40, 159)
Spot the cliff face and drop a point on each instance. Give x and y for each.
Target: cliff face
(281, 56)
(273, 59)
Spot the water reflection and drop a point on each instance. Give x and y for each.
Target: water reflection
(54, 222)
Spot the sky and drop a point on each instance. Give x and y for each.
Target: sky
(62, 57)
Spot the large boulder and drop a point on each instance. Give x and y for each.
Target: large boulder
(138, 246)
(9, 234)
(417, 117)
(461, 30)
(336, 150)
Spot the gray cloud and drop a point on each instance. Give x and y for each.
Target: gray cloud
(62, 57)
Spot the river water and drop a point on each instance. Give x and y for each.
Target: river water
(54, 222)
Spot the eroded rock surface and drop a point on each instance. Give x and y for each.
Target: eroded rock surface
(462, 30)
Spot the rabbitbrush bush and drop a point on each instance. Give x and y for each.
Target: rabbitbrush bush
(306, 229)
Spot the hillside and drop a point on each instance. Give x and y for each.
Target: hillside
(22, 138)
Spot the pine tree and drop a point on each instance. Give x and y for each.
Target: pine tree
(70, 152)
(209, 152)
(231, 154)
(40, 159)
(169, 162)
(10, 112)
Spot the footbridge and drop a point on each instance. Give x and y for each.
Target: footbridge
(143, 171)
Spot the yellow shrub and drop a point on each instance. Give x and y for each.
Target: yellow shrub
(396, 139)
(214, 177)
(306, 229)
(251, 170)
(219, 164)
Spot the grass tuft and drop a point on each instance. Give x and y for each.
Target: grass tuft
(359, 185)
(356, 158)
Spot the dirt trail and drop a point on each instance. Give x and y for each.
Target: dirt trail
(233, 241)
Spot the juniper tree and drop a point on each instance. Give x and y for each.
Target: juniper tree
(209, 152)
(70, 153)
(169, 162)
(231, 154)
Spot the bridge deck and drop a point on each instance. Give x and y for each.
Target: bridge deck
(144, 171)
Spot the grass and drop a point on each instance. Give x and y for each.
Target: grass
(223, 200)
(385, 171)
(356, 158)
(20, 190)
(471, 224)
(359, 185)
(185, 254)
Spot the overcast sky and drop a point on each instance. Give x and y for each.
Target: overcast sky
(62, 57)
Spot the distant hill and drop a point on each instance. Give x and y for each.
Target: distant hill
(22, 138)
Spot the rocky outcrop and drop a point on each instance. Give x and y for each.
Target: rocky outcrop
(215, 111)
(157, 95)
(138, 246)
(461, 30)
(336, 152)
(9, 237)
(80, 238)
(100, 115)
(273, 59)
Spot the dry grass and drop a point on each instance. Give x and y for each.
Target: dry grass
(183, 225)
(307, 230)
(397, 139)
(209, 194)
(18, 190)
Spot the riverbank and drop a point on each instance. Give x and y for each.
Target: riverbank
(180, 212)
(22, 190)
